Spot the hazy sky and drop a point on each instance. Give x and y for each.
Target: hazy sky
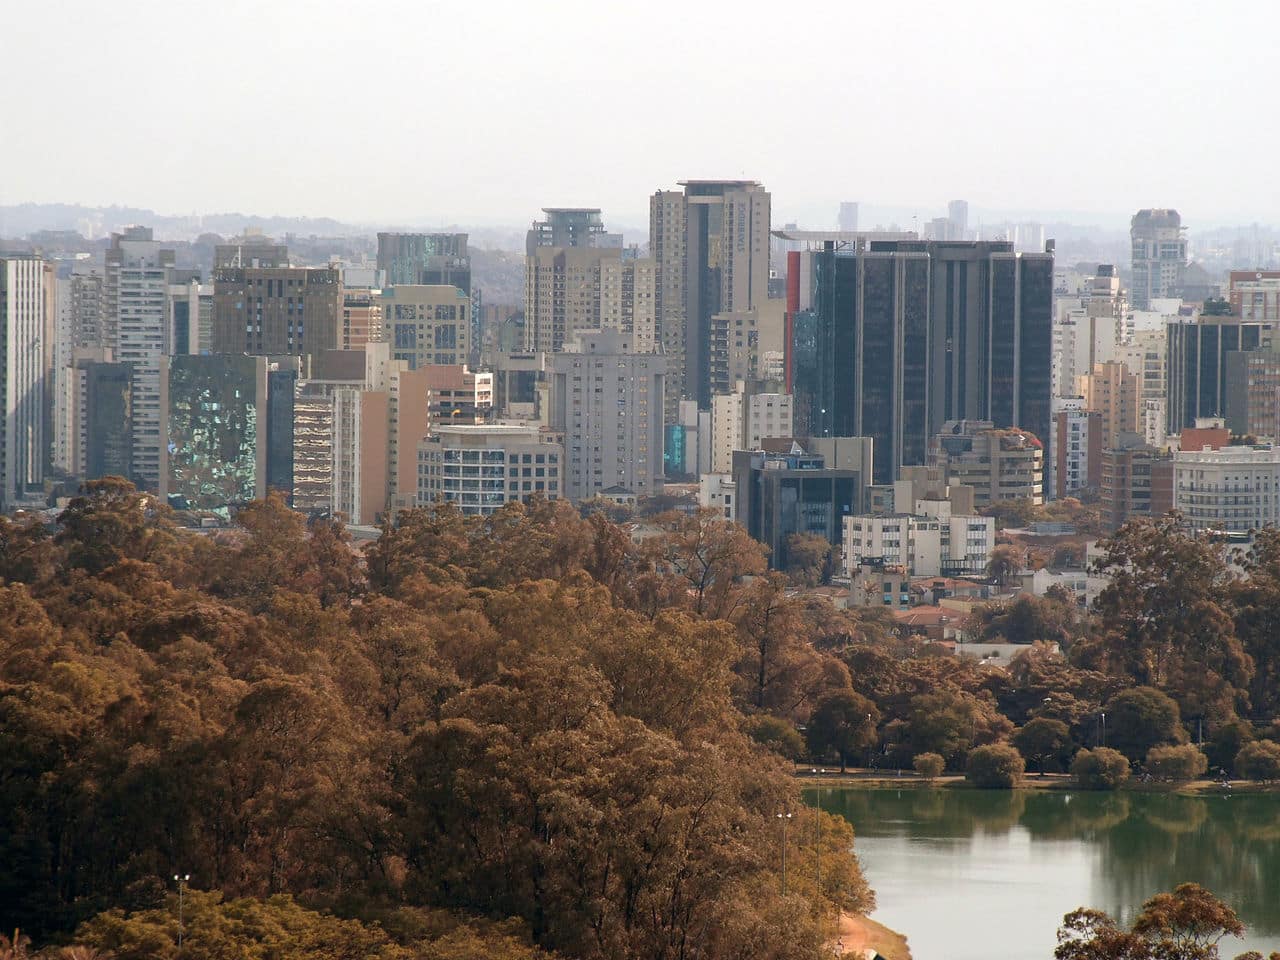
(470, 111)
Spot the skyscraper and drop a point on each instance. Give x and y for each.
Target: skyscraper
(23, 377)
(276, 311)
(958, 214)
(136, 287)
(1197, 363)
(1159, 256)
(577, 278)
(215, 452)
(607, 401)
(425, 258)
(710, 244)
(908, 335)
(426, 324)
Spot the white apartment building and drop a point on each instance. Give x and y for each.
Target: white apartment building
(481, 468)
(926, 544)
(23, 342)
(1234, 489)
(136, 322)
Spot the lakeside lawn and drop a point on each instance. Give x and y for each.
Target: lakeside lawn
(856, 777)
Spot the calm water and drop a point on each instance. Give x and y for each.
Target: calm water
(989, 874)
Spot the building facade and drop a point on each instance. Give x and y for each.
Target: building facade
(277, 311)
(429, 259)
(1254, 294)
(1231, 490)
(608, 401)
(136, 288)
(1137, 481)
(1198, 347)
(25, 315)
(427, 324)
(926, 546)
(1111, 391)
(1159, 255)
(481, 468)
(907, 335)
(1075, 441)
(999, 464)
(1253, 394)
(710, 245)
(215, 454)
(781, 494)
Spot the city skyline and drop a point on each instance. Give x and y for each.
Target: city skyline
(1072, 85)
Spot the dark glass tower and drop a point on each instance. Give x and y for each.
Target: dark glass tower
(909, 334)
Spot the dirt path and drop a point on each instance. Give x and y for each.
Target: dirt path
(857, 934)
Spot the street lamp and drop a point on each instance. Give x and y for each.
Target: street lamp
(783, 818)
(181, 880)
(1104, 728)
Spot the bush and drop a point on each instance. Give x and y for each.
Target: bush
(929, 765)
(1100, 769)
(997, 766)
(1259, 760)
(1178, 764)
(778, 735)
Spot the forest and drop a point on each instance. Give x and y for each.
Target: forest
(518, 736)
(536, 734)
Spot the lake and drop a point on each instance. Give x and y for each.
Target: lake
(989, 874)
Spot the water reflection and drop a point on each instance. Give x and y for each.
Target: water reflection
(1032, 856)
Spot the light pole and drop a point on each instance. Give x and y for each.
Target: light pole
(181, 879)
(783, 818)
(1104, 728)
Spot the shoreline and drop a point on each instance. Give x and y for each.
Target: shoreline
(858, 778)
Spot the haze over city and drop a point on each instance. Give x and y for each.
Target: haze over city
(655, 481)
(442, 113)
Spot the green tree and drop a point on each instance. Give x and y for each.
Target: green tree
(950, 722)
(1164, 619)
(1028, 619)
(1099, 769)
(1256, 606)
(996, 766)
(1187, 924)
(1042, 739)
(1259, 760)
(1178, 764)
(1004, 564)
(810, 559)
(1225, 741)
(1010, 513)
(778, 735)
(1142, 718)
(843, 724)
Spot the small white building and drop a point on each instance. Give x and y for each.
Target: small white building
(925, 543)
(717, 491)
(480, 468)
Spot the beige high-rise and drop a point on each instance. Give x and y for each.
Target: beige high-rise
(1111, 391)
(578, 280)
(710, 244)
